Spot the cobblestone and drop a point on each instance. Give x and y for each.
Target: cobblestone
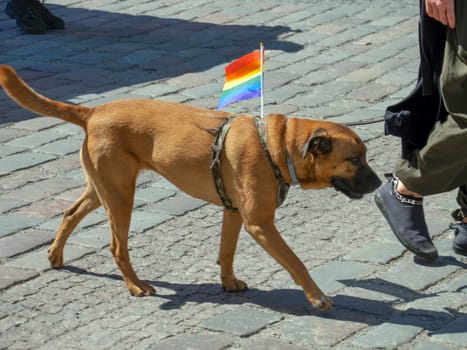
(195, 342)
(388, 336)
(13, 223)
(37, 260)
(338, 60)
(20, 161)
(11, 275)
(243, 321)
(20, 243)
(418, 277)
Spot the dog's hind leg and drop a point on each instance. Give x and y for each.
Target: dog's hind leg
(71, 218)
(119, 204)
(231, 225)
(114, 177)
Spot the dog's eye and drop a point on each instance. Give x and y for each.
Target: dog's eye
(355, 161)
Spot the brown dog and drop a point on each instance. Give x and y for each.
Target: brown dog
(176, 141)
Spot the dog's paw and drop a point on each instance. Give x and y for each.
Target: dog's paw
(233, 284)
(324, 303)
(140, 289)
(55, 258)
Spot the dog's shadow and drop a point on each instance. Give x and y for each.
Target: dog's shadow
(291, 301)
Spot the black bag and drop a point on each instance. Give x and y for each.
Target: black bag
(413, 118)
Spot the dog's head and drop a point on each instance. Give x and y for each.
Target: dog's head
(334, 156)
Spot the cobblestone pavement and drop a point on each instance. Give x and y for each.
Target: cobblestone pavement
(339, 60)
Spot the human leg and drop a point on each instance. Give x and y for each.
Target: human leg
(441, 167)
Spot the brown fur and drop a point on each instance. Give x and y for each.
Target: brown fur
(174, 140)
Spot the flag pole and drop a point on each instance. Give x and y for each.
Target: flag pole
(261, 49)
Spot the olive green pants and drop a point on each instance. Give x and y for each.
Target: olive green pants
(442, 163)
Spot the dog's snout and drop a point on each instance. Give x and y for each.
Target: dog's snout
(376, 183)
(373, 181)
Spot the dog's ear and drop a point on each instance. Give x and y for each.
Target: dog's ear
(319, 143)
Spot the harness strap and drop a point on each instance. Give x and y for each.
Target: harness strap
(283, 188)
(216, 163)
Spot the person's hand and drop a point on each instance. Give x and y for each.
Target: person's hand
(442, 10)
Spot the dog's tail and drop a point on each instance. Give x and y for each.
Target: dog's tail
(26, 97)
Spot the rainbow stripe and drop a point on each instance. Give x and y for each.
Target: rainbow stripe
(242, 79)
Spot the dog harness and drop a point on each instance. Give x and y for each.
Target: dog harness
(283, 186)
(216, 163)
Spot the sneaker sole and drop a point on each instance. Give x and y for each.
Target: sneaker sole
(382, 208)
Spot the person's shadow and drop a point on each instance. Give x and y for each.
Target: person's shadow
(101, 51)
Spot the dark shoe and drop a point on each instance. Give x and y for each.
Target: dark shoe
(26, 16)
(32, 16)
(52, 21)
(407, 221)
(459, 245)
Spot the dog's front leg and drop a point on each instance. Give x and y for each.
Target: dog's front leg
(269, 238)
(231, 225)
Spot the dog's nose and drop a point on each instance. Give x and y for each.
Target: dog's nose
(370, 181)
(374, 183)
(377, 183)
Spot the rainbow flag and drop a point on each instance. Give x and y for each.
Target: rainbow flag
(243, 79)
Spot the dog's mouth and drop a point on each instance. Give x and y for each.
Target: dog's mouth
(342, 185)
